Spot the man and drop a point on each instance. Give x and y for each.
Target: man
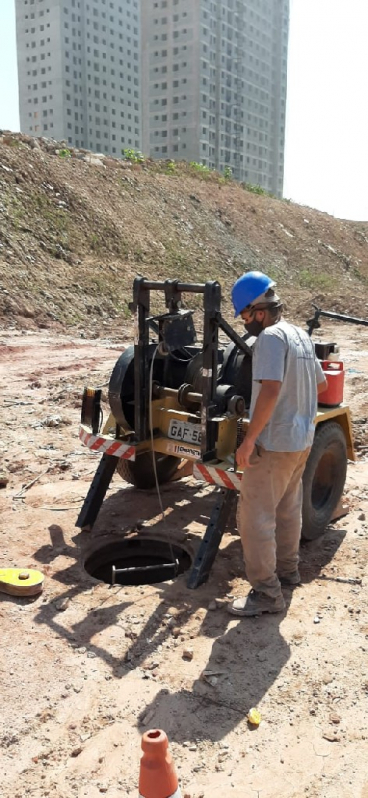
(286, 379)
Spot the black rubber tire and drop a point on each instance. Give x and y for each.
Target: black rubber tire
(323, 479)
(140, 472)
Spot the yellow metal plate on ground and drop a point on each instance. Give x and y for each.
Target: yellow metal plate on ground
(21, 581)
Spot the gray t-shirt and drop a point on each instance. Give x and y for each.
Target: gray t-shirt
(285, 353)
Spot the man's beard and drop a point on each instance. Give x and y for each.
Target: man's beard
(254, 327)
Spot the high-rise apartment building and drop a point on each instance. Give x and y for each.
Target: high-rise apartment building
(200, 80)
(214, 84)
(79, 71)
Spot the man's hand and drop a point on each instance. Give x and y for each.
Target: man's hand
(265, 405)
(244, 452)
(322, 387)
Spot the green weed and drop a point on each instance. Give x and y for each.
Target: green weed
(358, 274)
(170, 168)
(123, 309)
(138, 255)
(255, 189)
(94, 242)
(200, 168)
(134, 156)
(309, 279)
(15, 143)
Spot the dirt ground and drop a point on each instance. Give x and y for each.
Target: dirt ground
(86, 667)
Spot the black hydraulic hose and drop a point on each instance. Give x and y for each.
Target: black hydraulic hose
(341, 317)
(313, 324)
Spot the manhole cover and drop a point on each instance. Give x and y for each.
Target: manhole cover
(141, 561)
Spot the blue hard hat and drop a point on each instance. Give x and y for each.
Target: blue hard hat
(249, 289)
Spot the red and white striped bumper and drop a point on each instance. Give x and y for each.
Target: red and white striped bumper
(105, 445)
(217, 476)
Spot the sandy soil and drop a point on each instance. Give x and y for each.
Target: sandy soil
(86, 667)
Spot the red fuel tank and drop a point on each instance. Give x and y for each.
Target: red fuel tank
(334, 393)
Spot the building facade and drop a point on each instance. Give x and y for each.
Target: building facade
(214, 75)
(200, 80)
(79, 72)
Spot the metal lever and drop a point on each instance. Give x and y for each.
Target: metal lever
(135, 568)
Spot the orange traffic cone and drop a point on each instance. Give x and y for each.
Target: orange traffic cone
(157, 776)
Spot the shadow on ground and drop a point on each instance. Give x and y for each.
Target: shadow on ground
(247, 655)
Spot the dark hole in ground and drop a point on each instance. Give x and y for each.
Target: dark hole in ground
(150, 561)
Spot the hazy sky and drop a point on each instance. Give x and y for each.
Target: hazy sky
(326, 156)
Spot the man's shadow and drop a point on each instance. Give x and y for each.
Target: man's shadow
(247, 655)
(245, 661)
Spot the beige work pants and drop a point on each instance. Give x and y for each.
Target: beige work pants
(269, 516)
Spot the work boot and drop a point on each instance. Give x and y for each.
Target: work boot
(290, 580)
(255, 603)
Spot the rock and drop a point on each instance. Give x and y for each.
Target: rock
(51, 421)
(62, 604)
(209, 679)
(110, 162)
(212, 605)
(93, 161)
(334, 718)
(361, 517)
(188, 654)
(153, 665)
(77, 751)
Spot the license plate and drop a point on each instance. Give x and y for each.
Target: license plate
(183, 431)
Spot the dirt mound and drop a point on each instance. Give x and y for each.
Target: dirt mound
(75, 228)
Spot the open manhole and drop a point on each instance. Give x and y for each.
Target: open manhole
(143, 561)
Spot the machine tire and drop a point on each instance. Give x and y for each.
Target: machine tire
(140, 472)
(323, 479)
